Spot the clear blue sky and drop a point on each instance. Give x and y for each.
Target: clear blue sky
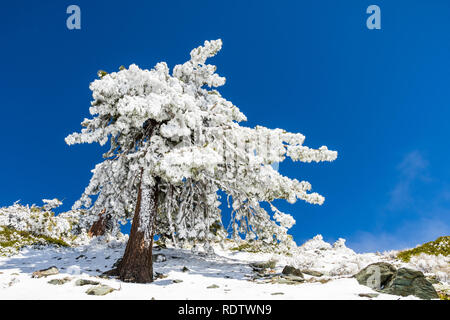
(379, 97)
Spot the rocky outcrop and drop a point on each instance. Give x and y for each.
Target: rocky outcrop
(312, 273)
(384, 277)
(376, 275)
(410, 282)
(290, 270)
(45, 272)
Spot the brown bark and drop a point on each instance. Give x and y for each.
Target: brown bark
(136, 264)
(98, 227)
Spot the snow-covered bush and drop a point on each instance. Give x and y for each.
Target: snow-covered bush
(24, 225)
(332, 260)
(11, 240)
(439, 265)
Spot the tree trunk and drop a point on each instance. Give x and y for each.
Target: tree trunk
(137, 264)
(98, 227)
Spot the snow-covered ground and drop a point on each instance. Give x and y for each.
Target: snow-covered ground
(227, 271)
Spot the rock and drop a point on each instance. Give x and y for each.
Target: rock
(213, 286)
(185, 269)
(177, 281)
(258, 266)
(376, 275)
(277, 293)
(158, 257)
(321, 280)
(385, 278)
(410, 282)
(290, 270)
(368, 295)
(45, 272)
(285, 279)
(432, 279)
(84, 282)
(99, 290)
(59, 281)
(260, 274)
(312, 273)
(291, 277)
(160, 275)
(13, 282)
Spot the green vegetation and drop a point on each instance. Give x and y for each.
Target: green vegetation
(440, 246)
(444, 296)
(245, 246)
(257, 246)
(11, 240)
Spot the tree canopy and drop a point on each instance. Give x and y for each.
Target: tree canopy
(176, 130)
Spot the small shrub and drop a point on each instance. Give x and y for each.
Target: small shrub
(11, 240)
(440, 246)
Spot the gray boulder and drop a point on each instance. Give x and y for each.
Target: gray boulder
(84, 282)
(376, 275)
(312, 273)
(292, 278)
(260, 266)
(45, 272)
(410, 282)
(100, 290)
(368, 295)
(384, 277)
(60, 281)
(291, 271)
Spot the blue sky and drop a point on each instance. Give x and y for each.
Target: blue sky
(381, 98)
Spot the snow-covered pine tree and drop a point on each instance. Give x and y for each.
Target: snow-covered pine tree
(174, 143)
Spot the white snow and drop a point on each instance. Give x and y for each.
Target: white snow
(227, 269)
